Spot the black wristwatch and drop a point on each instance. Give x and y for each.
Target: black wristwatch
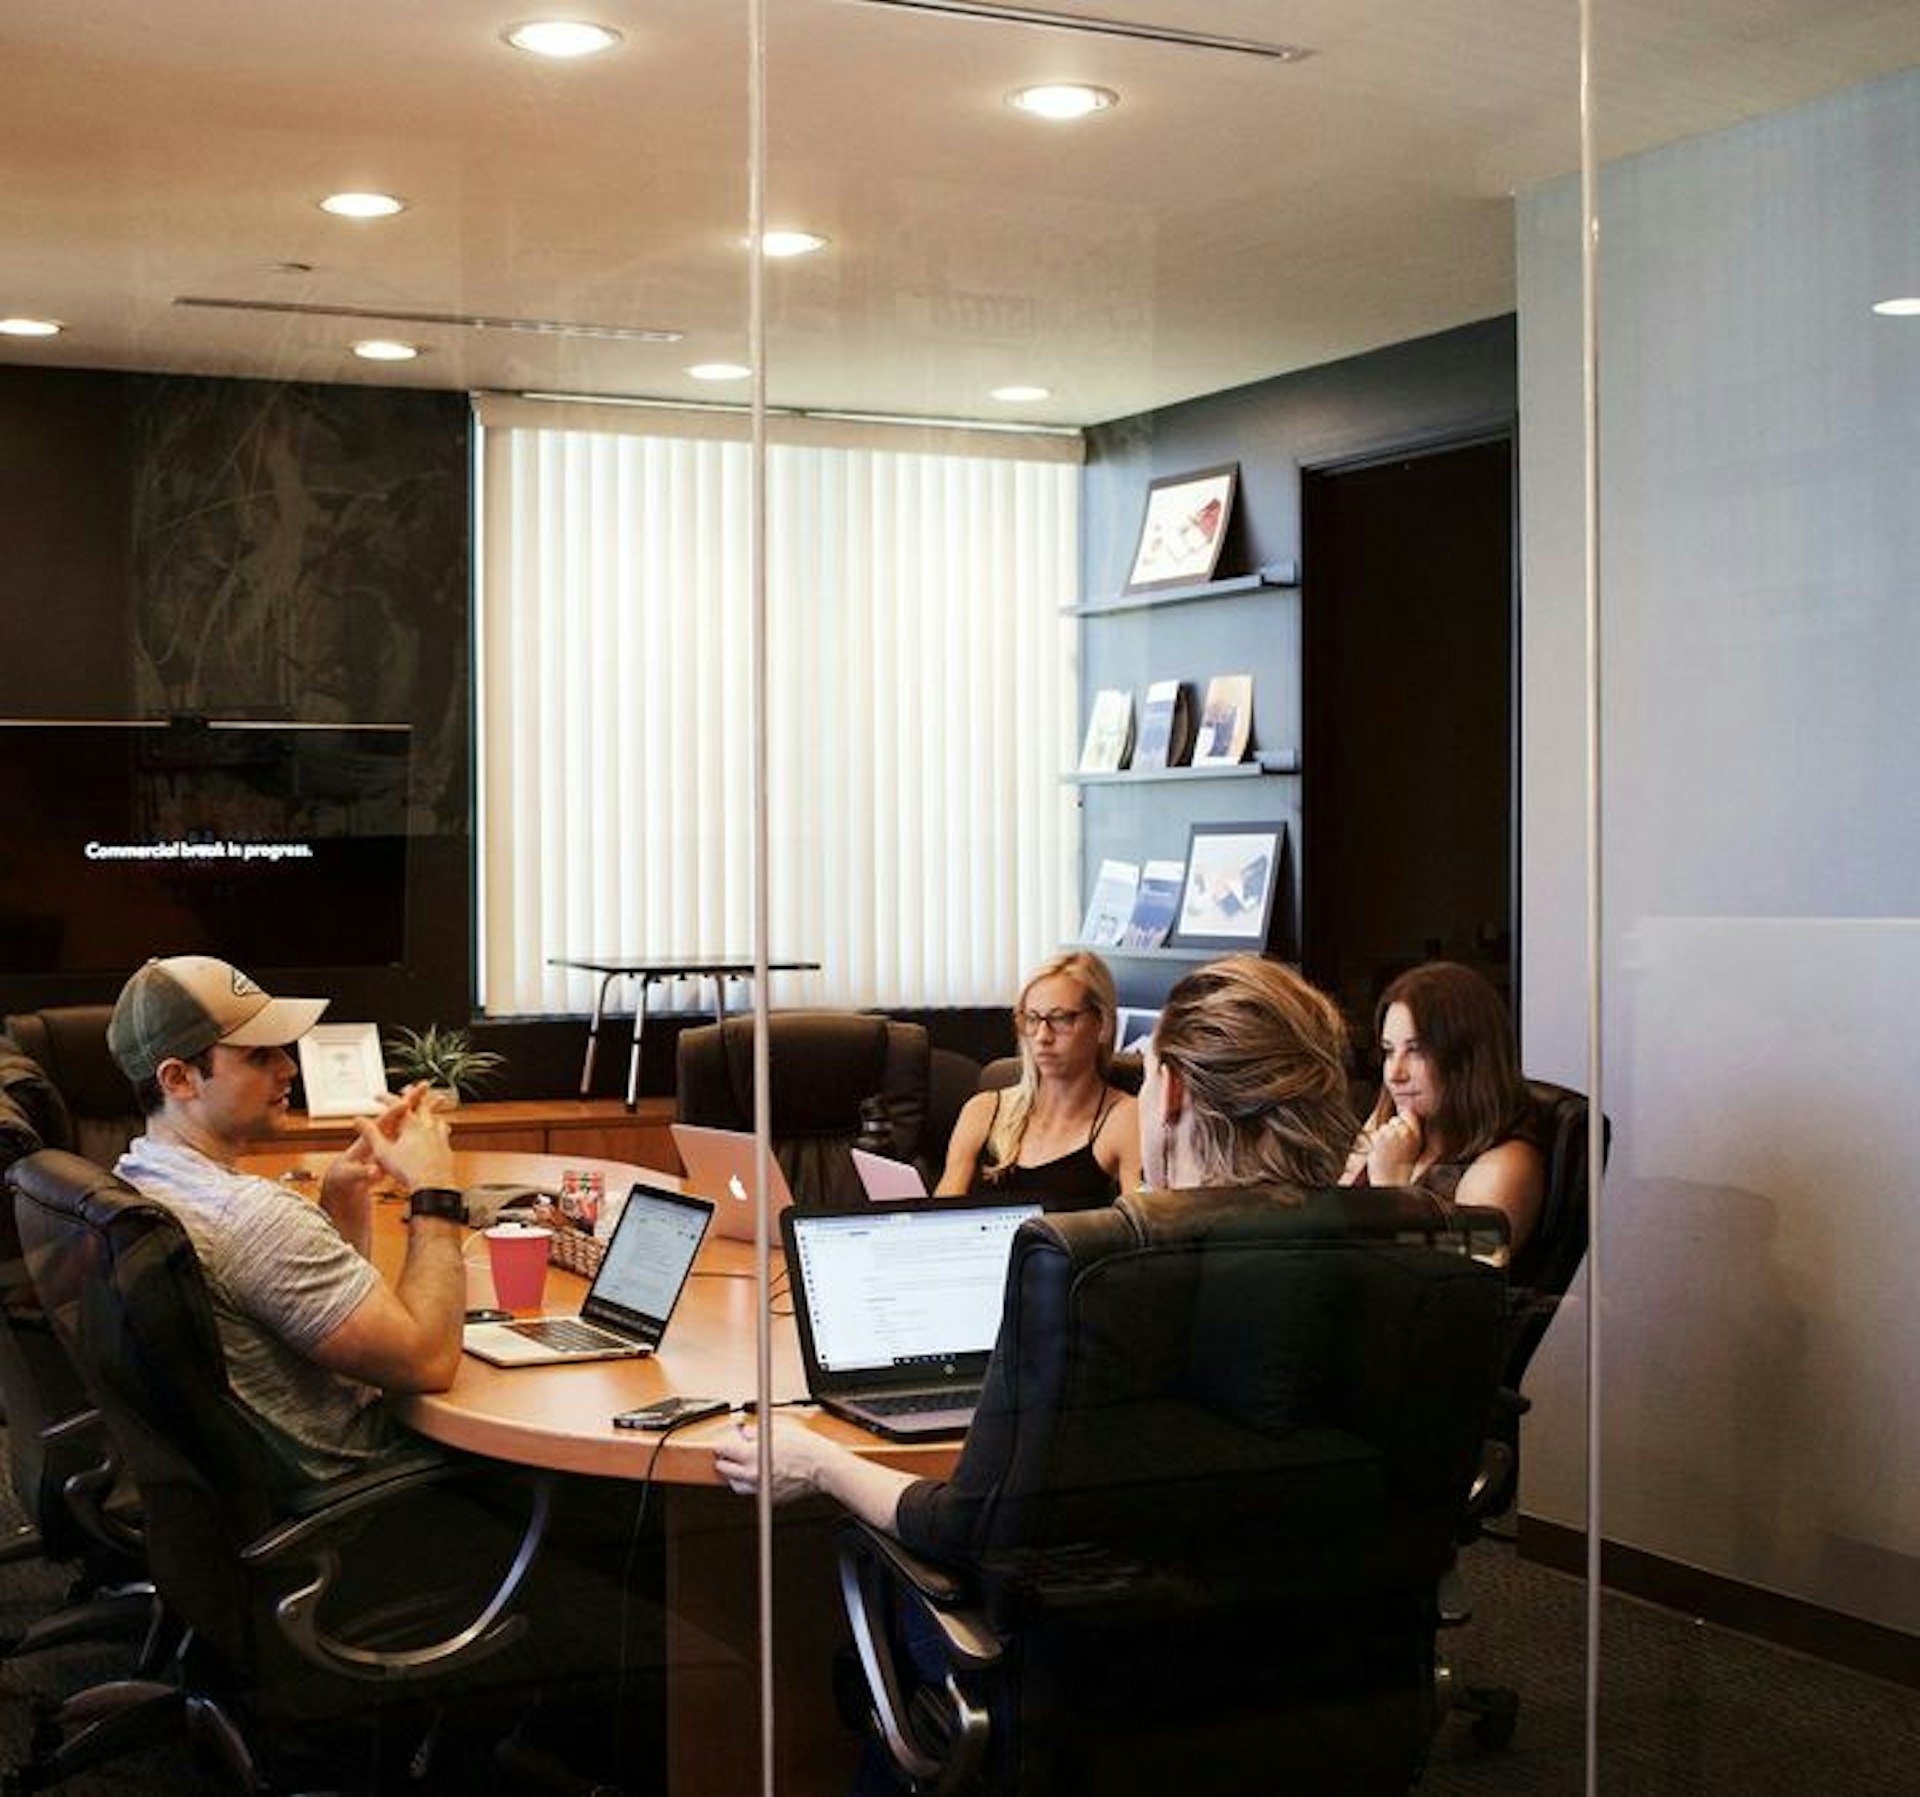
(437, 1201)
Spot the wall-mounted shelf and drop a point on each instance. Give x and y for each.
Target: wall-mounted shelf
(1276, 574)
(1266, 764)
(1247, 624)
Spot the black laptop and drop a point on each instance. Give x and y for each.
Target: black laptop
(898, 1306)
(632, 1296)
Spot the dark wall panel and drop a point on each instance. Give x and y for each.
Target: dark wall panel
(179, 545)
(65, 509)
(1449, 388)
(1460, 383)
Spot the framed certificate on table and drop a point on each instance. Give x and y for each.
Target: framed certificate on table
(341, 1069)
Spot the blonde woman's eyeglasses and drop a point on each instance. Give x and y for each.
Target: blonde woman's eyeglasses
(1034, 1023)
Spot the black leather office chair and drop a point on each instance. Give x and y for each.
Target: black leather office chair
(1124, 1071)
(953, 1078)
(58, 1459)
(1202, 1515)
(305, 1611)
(822, 1065)
(1538, 1279)
(70, 1044)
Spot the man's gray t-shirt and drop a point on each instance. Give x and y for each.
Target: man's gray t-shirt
(281, 1279)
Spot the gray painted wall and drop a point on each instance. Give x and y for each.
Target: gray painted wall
(1760, 503)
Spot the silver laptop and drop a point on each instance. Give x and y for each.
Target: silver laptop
(720, 1166)
(882, 1177)
(898, 1306)
(631, 1298)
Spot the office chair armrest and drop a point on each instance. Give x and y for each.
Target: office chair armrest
(81, 1422)
(98, 1498)
(378, 1483)
(1482, 1232)
(919, 1649)
(943, 1593)
(1496, 1481)
(320, 1534)
(933, 1581)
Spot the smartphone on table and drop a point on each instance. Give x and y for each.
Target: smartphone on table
(668, 1413)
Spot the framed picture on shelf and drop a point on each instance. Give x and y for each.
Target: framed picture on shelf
(342, 1070)
(1183, 527)
(1233, 871)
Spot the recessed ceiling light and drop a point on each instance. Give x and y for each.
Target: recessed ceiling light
(561, 38)
(30, 327)
(1899, 308)
(719, 371)
(1019, 396)
(363, 205)
(791, 243)
(385, 349)
(1063, 99)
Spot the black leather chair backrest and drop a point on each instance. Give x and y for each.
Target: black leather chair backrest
(38, 1384)
(821, 1065)
(1222, 1457)
(70, 1044)
(1544, 1267)
(1124, 1070)
(33, 1114)
(127, 1299)
(1204, 1376)
(952, 1079)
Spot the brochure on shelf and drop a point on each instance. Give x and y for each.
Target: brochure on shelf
(1111, 906)
(1109, 739)
(1226, 721)
(1166, 732)
(1156, 904)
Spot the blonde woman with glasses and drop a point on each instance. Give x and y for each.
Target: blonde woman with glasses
(1063, 1134)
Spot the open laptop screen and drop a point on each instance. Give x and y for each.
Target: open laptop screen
(917, 1285)
(648, 1259)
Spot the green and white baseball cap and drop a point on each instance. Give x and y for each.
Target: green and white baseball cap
(176, 1007)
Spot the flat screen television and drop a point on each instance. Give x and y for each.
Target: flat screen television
(273, 845)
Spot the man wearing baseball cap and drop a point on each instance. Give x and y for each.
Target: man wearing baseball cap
(313, 1334)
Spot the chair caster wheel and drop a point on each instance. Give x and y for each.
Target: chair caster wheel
(1493, 1727)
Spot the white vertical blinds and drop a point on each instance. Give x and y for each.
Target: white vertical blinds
(923, 705)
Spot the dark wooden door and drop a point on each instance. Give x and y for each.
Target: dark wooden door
(1409, 727)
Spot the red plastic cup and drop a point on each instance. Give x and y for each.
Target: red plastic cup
(518, 1256)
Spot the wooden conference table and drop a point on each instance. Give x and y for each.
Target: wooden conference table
(560, 1418)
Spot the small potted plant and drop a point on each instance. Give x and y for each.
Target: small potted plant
(445, 1058)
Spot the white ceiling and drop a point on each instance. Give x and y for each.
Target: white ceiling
(1235, 217)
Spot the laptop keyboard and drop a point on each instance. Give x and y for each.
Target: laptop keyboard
(912, 1403)
(567, 1334)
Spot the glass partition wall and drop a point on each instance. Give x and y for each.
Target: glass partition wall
(795, 658)
(1272, 254)
(1756, 368)
(1706, 362)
